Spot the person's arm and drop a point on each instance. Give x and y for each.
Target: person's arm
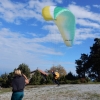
(26, 79)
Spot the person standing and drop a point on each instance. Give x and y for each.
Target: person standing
(18, 84)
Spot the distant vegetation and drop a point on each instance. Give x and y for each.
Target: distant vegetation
(87, 69)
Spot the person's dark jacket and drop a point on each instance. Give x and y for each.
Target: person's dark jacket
(18, 84)
(53, 73)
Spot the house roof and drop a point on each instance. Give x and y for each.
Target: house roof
(42, 72)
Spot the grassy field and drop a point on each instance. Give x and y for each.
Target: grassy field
(53, 92)
(4, 90)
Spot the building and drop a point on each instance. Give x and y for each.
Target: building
(43, 73)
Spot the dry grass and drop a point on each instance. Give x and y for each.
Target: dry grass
(63, 92)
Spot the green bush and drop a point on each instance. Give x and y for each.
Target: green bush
(36, 78)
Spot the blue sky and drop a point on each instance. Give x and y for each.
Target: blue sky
(25, 37)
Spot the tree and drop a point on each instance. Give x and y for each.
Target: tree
(36, 78)
(4, 79)
(70, 76)
(49, 79)
(24, 69)
(82, 66)
(79, 68)
(95, 59)
(10, 77)
(60, 69)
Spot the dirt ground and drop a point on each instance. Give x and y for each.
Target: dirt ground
(62, 92)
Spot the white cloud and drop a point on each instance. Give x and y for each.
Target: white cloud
(34, 24)
(54, 34)
(16, 49)
(38, 5)
(88, 23)
(16, 42)
(83, 12)
(59, 1)
(88, 7)
(85, 33)
(52, 28)
(11, 11)
(97, 6)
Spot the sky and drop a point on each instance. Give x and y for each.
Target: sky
(25, 37)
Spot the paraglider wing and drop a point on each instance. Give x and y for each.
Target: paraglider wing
(64, 20)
